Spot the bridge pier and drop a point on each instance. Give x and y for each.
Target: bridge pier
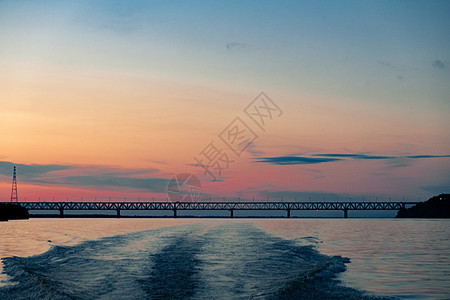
(118, 212)
(174, 213)
(345, 213)
(288, 213)
(61, 212)
(231, 213)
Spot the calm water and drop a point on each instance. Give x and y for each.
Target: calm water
(225, 259)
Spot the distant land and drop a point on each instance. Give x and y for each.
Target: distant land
(10, 211)
(435, 207)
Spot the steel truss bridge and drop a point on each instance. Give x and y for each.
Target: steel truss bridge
(224, 206)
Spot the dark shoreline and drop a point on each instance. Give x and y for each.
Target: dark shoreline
(12, 211)
(435, 207)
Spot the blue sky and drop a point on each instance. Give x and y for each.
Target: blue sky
(294, 44)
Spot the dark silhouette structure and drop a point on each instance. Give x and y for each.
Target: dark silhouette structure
(345, 207)
(435, 207)
(10, 211)
(14, 197)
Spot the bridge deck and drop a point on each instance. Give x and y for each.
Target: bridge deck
(207, 205)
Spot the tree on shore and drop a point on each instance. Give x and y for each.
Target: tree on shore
(435, 207)
(11, 211)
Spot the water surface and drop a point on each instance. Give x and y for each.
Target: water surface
(204, 258)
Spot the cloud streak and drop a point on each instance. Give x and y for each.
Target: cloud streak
(29, 171)
(294, 160)
(438, 64)
(385, 64)
(99, 177)
(156, 185)
(353, 155)
(234, 45)
(316, 196)
(333, 157)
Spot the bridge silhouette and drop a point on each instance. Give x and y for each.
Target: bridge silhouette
(215, 206)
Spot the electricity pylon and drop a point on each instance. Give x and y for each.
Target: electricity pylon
(14, 197)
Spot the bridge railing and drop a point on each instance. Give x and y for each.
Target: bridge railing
(216, 205)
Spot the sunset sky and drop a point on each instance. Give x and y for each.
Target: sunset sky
(113, 98)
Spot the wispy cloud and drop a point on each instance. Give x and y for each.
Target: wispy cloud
(352, 155)
(438, 64)
(29, 171)
(317, 174)
(156, 185)
(99, 177)
(253, 150)
(122, 19)
(395, 161)
(426, 156)
(437, 189)
(385, 64)
(294, 160)
(317, 196)
(234, 45)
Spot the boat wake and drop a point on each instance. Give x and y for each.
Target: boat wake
(223, 262)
